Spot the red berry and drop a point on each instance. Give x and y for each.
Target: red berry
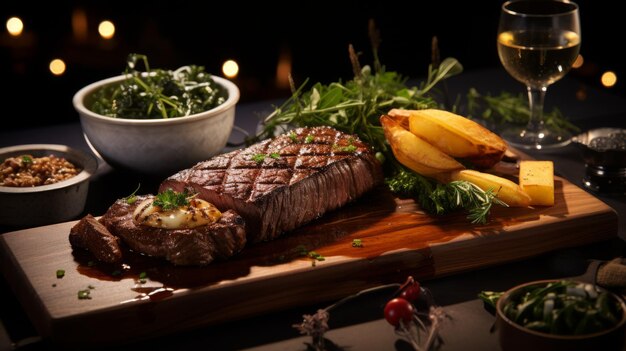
(398, 310)
(411, 290)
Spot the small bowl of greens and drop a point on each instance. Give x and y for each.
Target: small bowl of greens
(560, 315)
(157, 121)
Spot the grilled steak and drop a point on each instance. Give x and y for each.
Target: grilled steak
(196, 246)
(280, 184)
(91, 235)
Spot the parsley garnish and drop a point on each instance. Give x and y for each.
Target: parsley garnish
(314, 255)
(347, 148)
(60, 273)
(143, 276)
(258, 158)
(170, 199)
(357, 243)
(293, 136)
(27, 159)
(130, 199)
(86, 293)
(308, 139)
(302, 251)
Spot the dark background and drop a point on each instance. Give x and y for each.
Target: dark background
(314, 34)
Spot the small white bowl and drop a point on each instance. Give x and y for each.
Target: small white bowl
(157, 146)
(46, 204)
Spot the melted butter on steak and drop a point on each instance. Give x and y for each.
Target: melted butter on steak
(195, 214)
(185, 246)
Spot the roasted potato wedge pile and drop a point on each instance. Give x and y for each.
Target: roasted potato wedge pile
(416, 153)
(455, 135)
(429, 142)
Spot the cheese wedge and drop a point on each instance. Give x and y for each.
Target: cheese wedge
(536, 178)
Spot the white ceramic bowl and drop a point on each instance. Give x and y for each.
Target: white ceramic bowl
(156, 146)
(46, 204)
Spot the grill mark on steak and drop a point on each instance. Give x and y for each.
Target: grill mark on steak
(317, 170)
(195, 246)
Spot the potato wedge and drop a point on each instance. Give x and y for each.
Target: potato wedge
(507, 191)
(456, 135)
(414, 152)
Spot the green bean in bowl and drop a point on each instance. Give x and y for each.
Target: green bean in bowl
(158, 93)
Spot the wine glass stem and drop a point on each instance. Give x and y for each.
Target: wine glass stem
(535, 99)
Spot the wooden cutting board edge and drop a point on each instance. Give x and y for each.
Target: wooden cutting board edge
(210, 305)
(452, 258)
(347, 275)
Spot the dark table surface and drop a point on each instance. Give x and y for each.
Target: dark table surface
(357, 325)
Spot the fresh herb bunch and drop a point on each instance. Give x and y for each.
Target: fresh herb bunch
(507, 108)
(170, 199)
(442, 198)
(158, 93)
(355, 107)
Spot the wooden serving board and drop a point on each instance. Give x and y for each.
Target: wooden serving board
(398, 240)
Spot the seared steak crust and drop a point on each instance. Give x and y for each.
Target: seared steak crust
(91, 235)
(280, 184)
(196, 246)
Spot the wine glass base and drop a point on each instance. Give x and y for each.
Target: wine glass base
(542, 140)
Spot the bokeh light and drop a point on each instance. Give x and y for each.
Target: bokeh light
(57, 67)
(15, 26)
(608, 79)
(79, 24)
(579, 62)
(283, 69)
(230, 68)
(106, 29)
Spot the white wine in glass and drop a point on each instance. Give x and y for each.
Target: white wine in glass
(538, 41)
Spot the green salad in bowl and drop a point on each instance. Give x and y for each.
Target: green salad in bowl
(158, 93)
(157, 121)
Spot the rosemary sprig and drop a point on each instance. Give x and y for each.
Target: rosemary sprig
(440, 198)
(506, 109)
(355, 106)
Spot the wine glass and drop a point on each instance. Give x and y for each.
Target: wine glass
(538, 41)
